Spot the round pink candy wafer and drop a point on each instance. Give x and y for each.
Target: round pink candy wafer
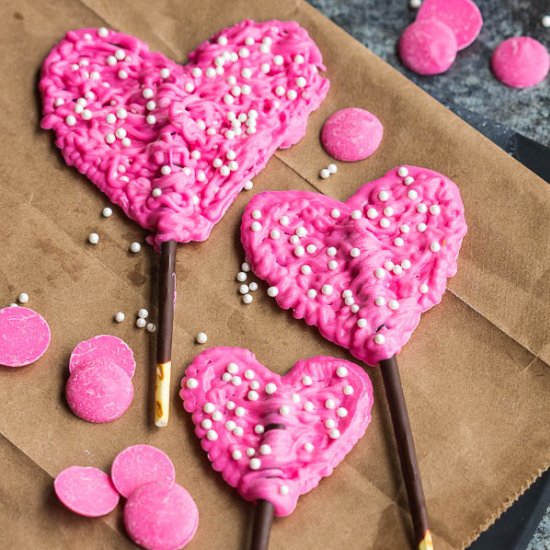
(428, 47)
(520, 62)
(86, 491)
(24, 336)
(101, 350)
(99, 393)
(351, 134)
(461, 16)
(161, 516)
(138, 465)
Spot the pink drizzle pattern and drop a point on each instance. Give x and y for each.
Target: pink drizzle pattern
(173, 145)
(324, 404)
(364, 270)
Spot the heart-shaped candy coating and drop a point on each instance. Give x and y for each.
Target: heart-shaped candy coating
(274, 437)
(173, 145)
(361, 271)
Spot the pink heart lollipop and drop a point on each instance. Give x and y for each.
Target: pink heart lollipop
(172, 145)
(362, 272)
(274, 437)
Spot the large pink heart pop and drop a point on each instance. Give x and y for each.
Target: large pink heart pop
(361, 271)
(173, 145)
(323, 404)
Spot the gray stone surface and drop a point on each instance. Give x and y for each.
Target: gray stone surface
(469, 83)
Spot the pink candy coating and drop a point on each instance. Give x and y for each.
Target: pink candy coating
(351, 134)
(364, 270)
(24, 336)
(171, 145)
(520, 62)
(323, 402)
(86, 491)
(161, 516)
(102, 350)
(99, 393)
(461, 16)
(138, 465)
(428, 47)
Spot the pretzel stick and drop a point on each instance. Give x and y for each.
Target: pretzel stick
(167, 290)
(407, 453)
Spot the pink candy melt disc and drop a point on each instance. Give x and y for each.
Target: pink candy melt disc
(100, 393)
(24, 336)
(351, 134)
(520, 62)
(139, 465)
(86, 491)
(161, 516)
(101, 350)
(428, 47)
(461, 16)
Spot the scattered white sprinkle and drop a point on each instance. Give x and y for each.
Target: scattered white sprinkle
(230, 405)
(250, 451)
(355, 308)
(143, 313)
(309, 406)
(335, 213)
(226, 377)
(398, 242)
(397, 269)
(241, 276)
(238, 431)
(240, 412)
(393, 304)
(243, 289)
(354, 252)
(107, 212)
(283, 220)
(361, 323)
(165, 170)
(324, 174)
(232, 368)
(406, 264)
(93, 238)
(255, 464)
(421, 208)
(70, 120)
(334, 434)
(256, 226)
(384, 222)
(332, 265)
(122, 74)
(311, 249)
(388, 211)
(415, 4)
(201, 338)
(87, 114)
(265, 449)
(151, 327)
(546, 21)
(247, 299)
(211, 435)
(383, 196)
(331, 251)
(356, 214)
(259, 429)
(103, 32)
(164, 73)
(156, 192)
(280, 91)
(248, 185)
(372, 213)
(253, 286)
(284, 410)
(327, 290)
(284, 490)
(347, 390)
(140, 323)
(135, 247)
(245, 266)
(421, 227)
(301, 82)
(330, 423)
(230, 425)
(435, 246)
(299, 251)
(435, 209)
(408, 180)
(119, 316)
(272, 291)
(311, 293)
(379, 273)
(332, 168)
(151, 119)
(380, 301)
(253, 395)
(412, 194)
(402, 171)
(206, 424)
(270, 388)
(292, 95)
(342, 412)
(23, 298)
(404, 228)
(305, 269)
(424, 288)
(236, 454)
(330, 404)
(309, 447)
(379, 339)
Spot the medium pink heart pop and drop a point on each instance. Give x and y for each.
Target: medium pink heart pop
(173, 145)
(364, 270)
(323, 404)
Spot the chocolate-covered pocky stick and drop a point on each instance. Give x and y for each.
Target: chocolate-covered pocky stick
(362, 272)
(173, 145)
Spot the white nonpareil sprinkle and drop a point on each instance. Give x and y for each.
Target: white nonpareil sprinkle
(292, 95)
(331, 251)
(379, 273)
(253, 286)
(209, 408)
(140, 323)
(383, 196)
(379, 339)
(309, 406)
(398, 241)
(397, 269)
(192, 383)
(256, 226)
(335, 213)
(270, 388)
(143, 313)
(372, 213)
(306, 269)
(330, 404)
(201, 338)
(435, 210)
(435, 246)
(334, 434)
(332, 265)
(255, 464)
(330, 423)
(393, 304)
(354, 252)
(165, 170)
(301, 82)
(412, 194)
(272, 291)
(103, 32)
(380, 301)
(424, 288)
(284, 490)
(93, 238)
(403, 171)
(70, 120)
(284, 410)
(238, 431)
(248, 299)
(342, 412)
(241, 276)
(355, 308)
(248, 185)
(406, 264)
(135, 247)
(119, 316)
(299, 251)
(259, 429)
(332, 168)
(347, 390)
(404, 228)
(256, 214)
(356, 214)
(245, 266)
(253, 395)
(164, 73)
(243, 289)
(107, 212)
(362, 323)
(324, 174)
(122, 74)
(211, 435)
(250, 452)
(151, 327)
(384, 222)
(156, 192)
(151, 119)
(236, 454)
(23, 298)
(408, 180)
(546, 21)
(311, 249)
(421, 208)
(265, 449)
(309, 447)
(388, 211)
(421, 227)
(415, 4)
(327, 290)
(311, 293)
